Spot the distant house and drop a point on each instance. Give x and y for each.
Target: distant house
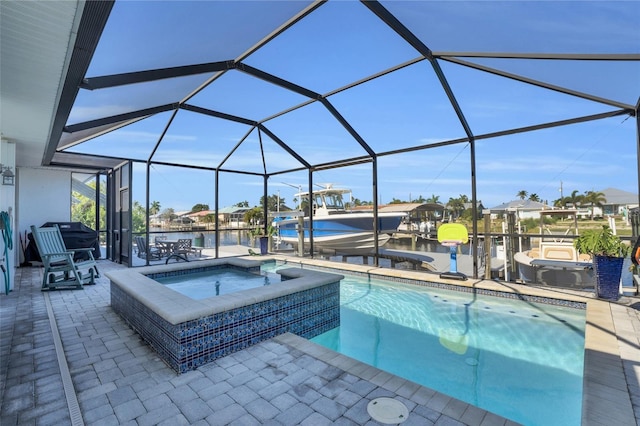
(155, 220)
(233, 214)
(479, 205)
(479, 208)
(198, 217)
(524, 209)
(182, 219)
(227, 215)
(182, 213)
(618, 202)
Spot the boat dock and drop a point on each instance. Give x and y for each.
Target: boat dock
(435, 262)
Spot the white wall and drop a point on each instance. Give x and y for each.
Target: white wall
(8, 204)
(528, 214)
(39, 195)
(44, 195)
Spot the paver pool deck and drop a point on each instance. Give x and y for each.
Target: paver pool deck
(67, 359)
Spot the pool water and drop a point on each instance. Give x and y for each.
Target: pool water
(202, 285)
(521, 360)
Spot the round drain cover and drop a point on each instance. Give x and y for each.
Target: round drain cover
(387, 411)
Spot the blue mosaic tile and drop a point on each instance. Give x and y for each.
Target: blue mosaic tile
(188, 345)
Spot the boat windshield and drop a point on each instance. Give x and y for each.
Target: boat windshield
(329, 201)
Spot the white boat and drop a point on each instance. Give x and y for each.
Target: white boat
(557, 265)
(555, 261)
(334, 227)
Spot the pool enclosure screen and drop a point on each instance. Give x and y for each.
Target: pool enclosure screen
(396, 99)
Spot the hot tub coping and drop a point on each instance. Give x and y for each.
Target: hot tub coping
(177, 308)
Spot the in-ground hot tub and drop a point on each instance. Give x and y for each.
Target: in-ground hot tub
(188, 333)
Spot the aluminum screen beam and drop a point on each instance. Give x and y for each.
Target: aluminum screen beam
(284, 146)
(558, 56)
(218, 114)
(270, 78)
(538, 83)
(120, 117)
(103, 82)
(510, 132)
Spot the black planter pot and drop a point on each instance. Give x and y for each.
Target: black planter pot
(608, 271)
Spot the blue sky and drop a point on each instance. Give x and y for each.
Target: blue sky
(342, 42)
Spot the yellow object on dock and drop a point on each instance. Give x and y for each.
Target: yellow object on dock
(452, 233)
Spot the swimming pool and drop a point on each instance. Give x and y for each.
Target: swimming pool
(519, 359)
(205, 284)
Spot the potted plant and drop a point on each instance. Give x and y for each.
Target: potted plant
(607, 252)
(263, 234)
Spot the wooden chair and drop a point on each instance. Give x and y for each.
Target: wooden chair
(60, 268)
(145, 251)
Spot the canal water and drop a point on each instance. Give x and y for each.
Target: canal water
(231, 237)
(235, 237)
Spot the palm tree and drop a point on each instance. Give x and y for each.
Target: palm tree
(594, 199)
(253, 216)
(561, 202)
(274, 202)
(575, 199)
(522, 194)
(433, 199)
(534, 197)
(154, 208)
(456, 206)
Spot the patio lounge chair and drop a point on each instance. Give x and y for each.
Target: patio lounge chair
(182, 248)
(185, 247)
(145, 251)
(60, 269)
